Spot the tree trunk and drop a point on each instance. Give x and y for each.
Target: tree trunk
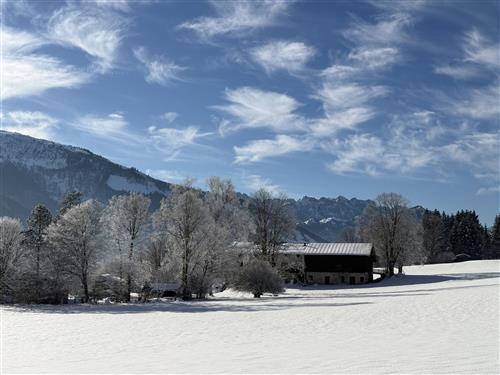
(38, 274)
(86, 290)
(129, 273)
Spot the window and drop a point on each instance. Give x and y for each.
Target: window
(342, 279)
(310, 277)
(361, 279)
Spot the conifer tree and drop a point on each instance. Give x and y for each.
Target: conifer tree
(495, 239)
(35, 239)
(69, 200)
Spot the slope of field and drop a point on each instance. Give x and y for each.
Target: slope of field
(435, 319)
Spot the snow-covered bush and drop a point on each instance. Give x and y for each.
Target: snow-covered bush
(258, 277)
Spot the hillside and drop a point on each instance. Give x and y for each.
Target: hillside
(37, 171)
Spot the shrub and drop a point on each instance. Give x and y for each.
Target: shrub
(259, 277)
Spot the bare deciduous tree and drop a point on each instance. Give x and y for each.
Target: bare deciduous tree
(127, 217)
(10, 248)
(392, 227)
(274, 222)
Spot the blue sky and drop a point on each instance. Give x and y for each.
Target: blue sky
(310, 98)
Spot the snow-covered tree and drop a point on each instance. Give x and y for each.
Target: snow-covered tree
(258, 277)
(393, 229)
(11, 250)
(187, 222)
(76, 240)
(273, 220)
(127, 217)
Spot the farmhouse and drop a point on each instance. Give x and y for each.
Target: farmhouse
(330, 263)
(320, 263)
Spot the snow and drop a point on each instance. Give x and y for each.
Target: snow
(435, 319)
(120, 183)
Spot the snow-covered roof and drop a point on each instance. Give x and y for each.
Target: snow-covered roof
(317, 248)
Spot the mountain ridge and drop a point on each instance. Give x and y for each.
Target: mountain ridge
(40, 171)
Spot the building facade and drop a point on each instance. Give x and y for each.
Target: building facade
(328, 263)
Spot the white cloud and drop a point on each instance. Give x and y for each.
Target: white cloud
(482, 104)
(345, 119)
(166, 175)
(265, 148)
(391, 29)
(254, 108)
(113, 127)
(457, 71)
(488, 190)
(285, 55)
(26, 73)
(159, 70)
(255, 182)
(121, 5)
(234, 17)
(171, 140)
(339, 72)
(96, 31)
(480, 152)
(344, 96)
(345, 106)
(169, 117)
(480, 50)
(374, 58)
(34, 124)
(356, 154)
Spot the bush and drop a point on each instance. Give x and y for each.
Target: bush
(258, 277)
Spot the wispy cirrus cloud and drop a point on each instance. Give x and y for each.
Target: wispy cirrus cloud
(346, 105)
(96, 31)
(480, 104)
(457, 71)
(478, 53)
(374, 58)
(113, 127)
(159, 70)
(234, 17)
(480, 50)
(27, 72)
(261, 149)
(282, 55)
(171, 140)
(255, 108)
(390, 29)
(169, 117)
(35, 124)
(254, 182)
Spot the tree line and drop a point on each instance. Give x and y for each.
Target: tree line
(95, 251)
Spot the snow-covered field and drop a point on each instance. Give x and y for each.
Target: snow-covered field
(435, 319)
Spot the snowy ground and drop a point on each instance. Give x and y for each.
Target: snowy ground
(435, 319)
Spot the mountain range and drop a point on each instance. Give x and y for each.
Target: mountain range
(38, 171)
